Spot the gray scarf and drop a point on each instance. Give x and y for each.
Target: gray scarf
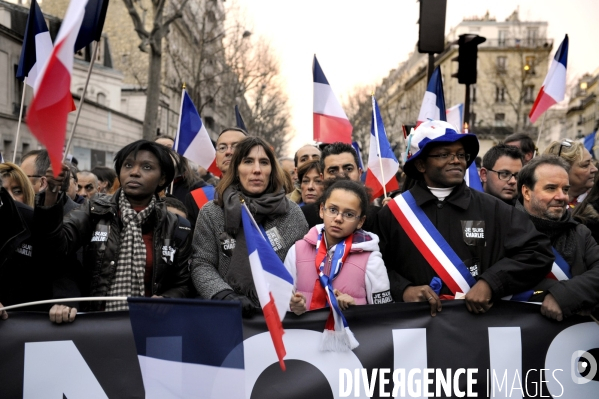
(268, 206)
(131, 266)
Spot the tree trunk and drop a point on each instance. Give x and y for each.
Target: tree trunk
(152, 95)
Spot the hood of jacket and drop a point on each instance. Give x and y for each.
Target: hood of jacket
(363, 240)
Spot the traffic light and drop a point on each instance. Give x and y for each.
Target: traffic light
(467, 55)
(431, 32)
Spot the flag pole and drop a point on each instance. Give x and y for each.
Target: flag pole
(89, 72)
(14, 154)
(252, 218)
(47, 301)
(176, 143)
(378, 145)
(539, 135)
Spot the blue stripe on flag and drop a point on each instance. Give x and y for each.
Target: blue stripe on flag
(191, 123)
(36, 24)
(561, 262)
(474, 178)
(561, 55)
(385, 147)
(435, 85)
(445, 247)
(188, 331)
(269, 259)
(318, 73)
(93, 23)
(209, 192)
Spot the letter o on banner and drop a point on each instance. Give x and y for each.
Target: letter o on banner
(579, 337)
(259, 354)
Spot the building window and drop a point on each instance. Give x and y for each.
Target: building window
(101, 99)
(531, 36)
(499, 119)
(501, 64)
(209, 122)
(502, 38)
(499, 94)
(529, 65)
(529, 94)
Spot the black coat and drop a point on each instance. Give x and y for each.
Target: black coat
(581, 292)
(100, 215)
(512, 257)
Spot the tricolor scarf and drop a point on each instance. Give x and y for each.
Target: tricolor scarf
(337, 336)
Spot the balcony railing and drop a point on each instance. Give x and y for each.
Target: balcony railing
(518, 43)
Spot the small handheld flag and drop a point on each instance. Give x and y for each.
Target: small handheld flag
(554, 85)
(192, 140)
(273, 282)
(330, 121)
(433, 103)
(382, 163)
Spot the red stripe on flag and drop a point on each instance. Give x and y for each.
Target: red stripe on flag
(214, 169)
(199, 196)
(551, 276)
(422, 247)
(330, 129)
(49, 109)
(542, 104)
(375, 185)
(275, 327)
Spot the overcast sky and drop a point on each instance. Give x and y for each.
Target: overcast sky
(358, 42)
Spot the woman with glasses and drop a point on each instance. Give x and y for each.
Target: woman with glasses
(582, 169)
(220, 267)
(16, 182)
(361, 276)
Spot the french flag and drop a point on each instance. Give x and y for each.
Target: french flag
(188, 348)
(273, 282)
(382, 163)
(554, 85)
(330, 122)
(52, 101)
(37, 46)
(455, 116)
(192, 140)
(433, 103)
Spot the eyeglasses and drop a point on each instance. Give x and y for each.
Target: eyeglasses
(224, 147)
(333, 212)
(462, 157)
(566, 143)
(504, 174)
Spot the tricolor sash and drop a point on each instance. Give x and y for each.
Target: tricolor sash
(203, 195)
(431, 244)
(561, 269)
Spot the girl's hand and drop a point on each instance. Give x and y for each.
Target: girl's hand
(297, 304)
(344, 300)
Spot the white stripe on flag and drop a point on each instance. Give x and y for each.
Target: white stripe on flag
(259, 280)
(43, 49)
(432, 244)
(558, 272)
(429, 108)
(200, 150)
(326, 103)
(555, 82)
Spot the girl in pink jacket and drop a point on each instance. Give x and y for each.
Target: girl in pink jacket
(337, 256)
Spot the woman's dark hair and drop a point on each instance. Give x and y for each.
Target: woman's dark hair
(173, 202)
(242, 150)
(185, 171)
(305, 168)
(105, 174)
(343, 183)
(163, 154)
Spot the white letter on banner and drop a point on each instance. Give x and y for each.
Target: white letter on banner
(345, 388)
(302, 345)
(573, 340)
(505, 353)
(369, 383)
(409, 351)
(56, 368)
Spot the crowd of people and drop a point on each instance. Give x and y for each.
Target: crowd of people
(156, 225)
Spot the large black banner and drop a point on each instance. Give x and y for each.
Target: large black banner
(511, 351)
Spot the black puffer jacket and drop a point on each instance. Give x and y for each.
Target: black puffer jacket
(97, 227)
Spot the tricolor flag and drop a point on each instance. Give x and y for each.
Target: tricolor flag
(239, 120)
(52, 101)
(433, 103)
(382, 163)
(189, 348)
(455, 116)
(554, 85)
(330, 122)
(192, 140)
(589, 143)
(273, 282)
(93, 23)
(37, 46)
